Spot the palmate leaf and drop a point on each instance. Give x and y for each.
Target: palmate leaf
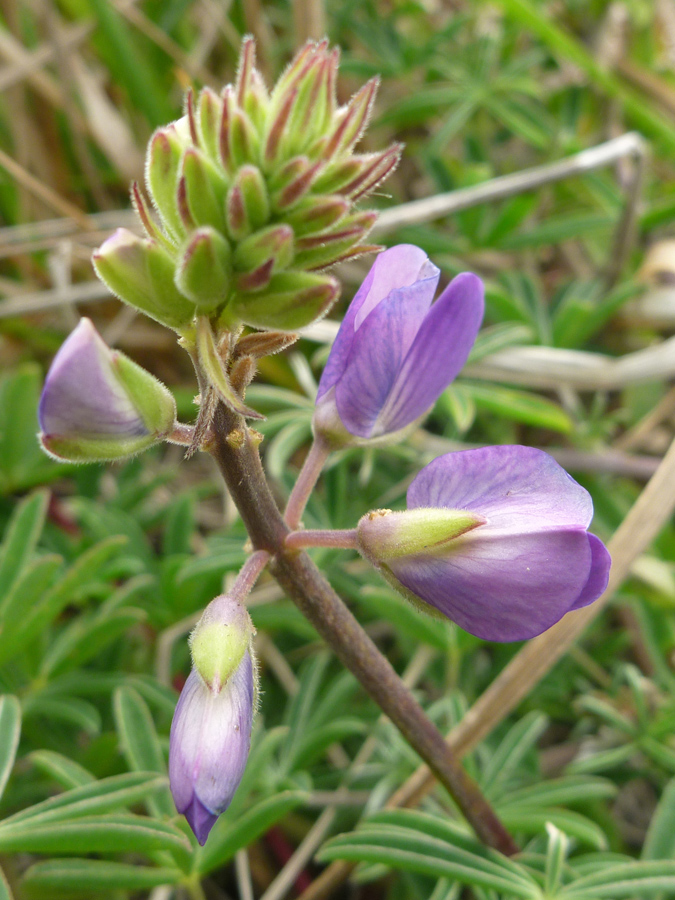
(660, 840)
(519, 740)
(422, 843)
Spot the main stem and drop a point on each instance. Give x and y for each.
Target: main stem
(240, 466)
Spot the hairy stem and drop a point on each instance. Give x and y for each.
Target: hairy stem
(240, 466)
(248, 575)
(309, 474)
(341, 539)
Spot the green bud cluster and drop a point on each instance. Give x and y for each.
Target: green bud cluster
(255, 194)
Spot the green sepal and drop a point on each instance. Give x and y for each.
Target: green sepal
(87, 450)
(141, 273)
(292, 300)
(219, 641)
(383, 535)
(154, 402)
(204, 271)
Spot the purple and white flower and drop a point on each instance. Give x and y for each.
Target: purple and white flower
(517, 556)
(209, 745)
(211, 728)
(395, 351)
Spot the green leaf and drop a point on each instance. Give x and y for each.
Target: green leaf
(85, 638)
(520, 406)
(125, 833)
(229, 834)
(10, 730)
(520, 739)
(80, 713)
(5, 892)
(140, 744)
(660, 840)
(20, 539)
(532, 821)
(623, 881)
(61, 877)
(65, 591)
(66, 772)
(416, 851)
(90, 799)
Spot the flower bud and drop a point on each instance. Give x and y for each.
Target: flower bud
(204, 273)
(291, 301)
(97, 404)
(141, 273)
(211, 728)
(247, 164)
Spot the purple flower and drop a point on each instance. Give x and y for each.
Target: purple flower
(518, 555)
(211, 728)
(395, 352)
(98, 404)
(209, 744)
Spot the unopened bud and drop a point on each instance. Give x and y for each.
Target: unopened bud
(141, 273)
(97, 404)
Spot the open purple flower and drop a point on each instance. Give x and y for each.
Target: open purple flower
(209, 744)
(395, 352)
(513, 556)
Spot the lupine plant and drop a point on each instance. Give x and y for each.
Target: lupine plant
(253, 199)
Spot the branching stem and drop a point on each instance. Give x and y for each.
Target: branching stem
(248, 575)
(240, 466)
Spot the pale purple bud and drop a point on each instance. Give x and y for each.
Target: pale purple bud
(98, 404)
(525, 563)
(395, 352)
(211, 728)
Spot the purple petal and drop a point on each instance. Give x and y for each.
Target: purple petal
(82, 395)
(518, 489)
(505, 587)
(209, 742)
(601, 563)
(377, 352)
(395, 268)
(200, 819)
(437, 355)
